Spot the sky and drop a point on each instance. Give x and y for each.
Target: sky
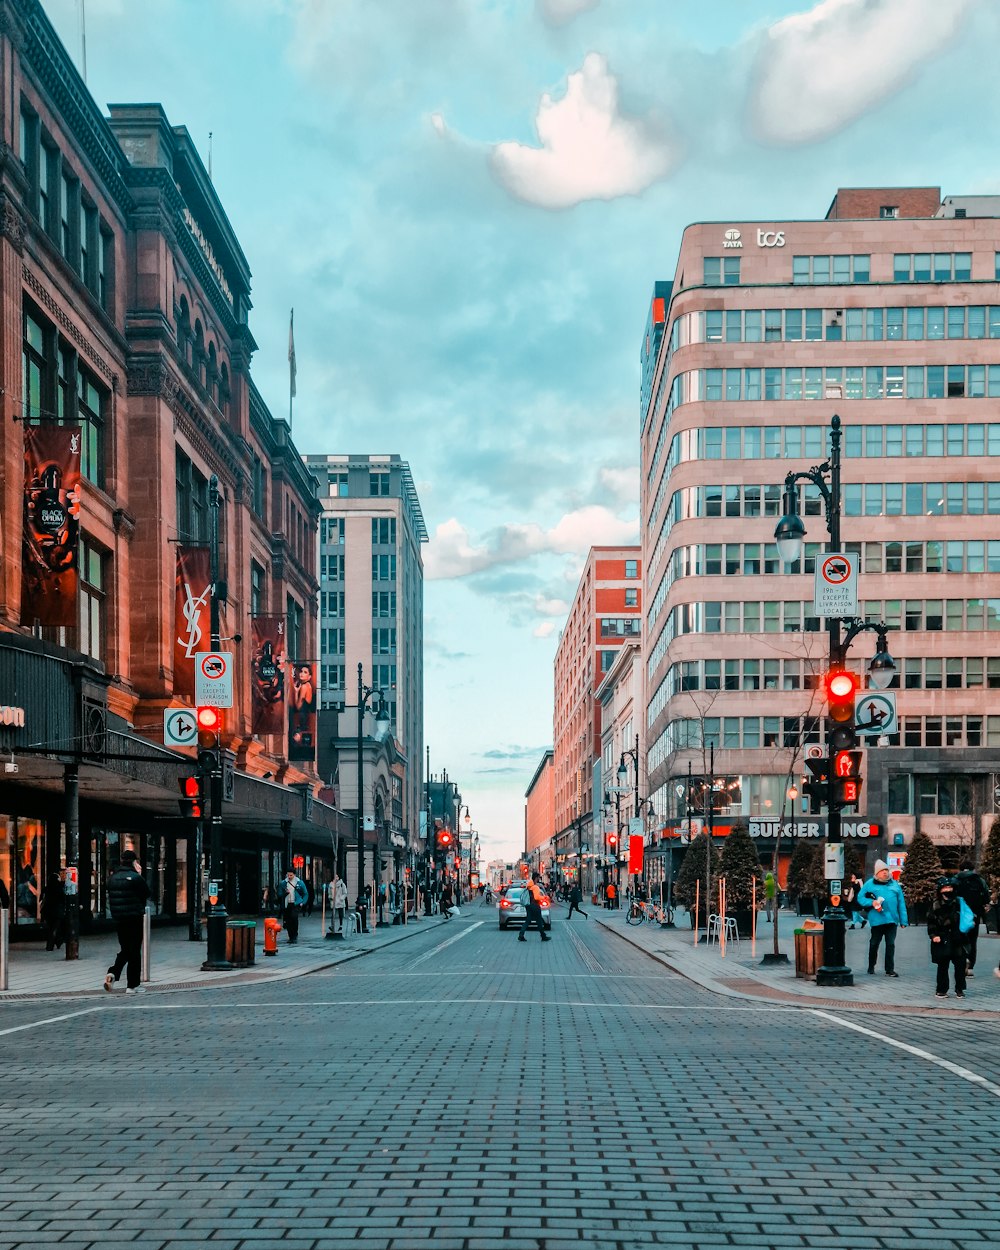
(467, 203)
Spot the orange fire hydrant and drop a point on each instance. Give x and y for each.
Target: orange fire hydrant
(272, 928)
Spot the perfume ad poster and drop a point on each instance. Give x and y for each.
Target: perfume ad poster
(51, 535)
(267, 675)
(302, 712)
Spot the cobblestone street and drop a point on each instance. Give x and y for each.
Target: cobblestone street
(458, 1090)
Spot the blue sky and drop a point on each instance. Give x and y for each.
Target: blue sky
(468, 201)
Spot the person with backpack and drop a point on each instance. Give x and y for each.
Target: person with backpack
(127, 895)
(971, 886)
(533, 909)
(949, 945)
(575, 899)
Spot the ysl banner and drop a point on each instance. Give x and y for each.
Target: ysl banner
(192, 620)
(302, 712)
(267, 675)
(50, 539)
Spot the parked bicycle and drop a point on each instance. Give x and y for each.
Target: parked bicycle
(648, 913)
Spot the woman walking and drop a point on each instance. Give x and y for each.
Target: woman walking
(948, 943)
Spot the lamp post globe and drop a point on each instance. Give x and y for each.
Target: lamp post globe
(881, 670)
(788, 535)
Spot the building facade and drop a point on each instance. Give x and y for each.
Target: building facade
(124, 302)
(371, 611)
(606, 612)
(883, 314)
(539, 811)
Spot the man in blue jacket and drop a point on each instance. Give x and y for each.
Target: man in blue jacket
(884, 905)
(293, 896)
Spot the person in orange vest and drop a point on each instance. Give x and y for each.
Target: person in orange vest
(612, 895)
(533, 909)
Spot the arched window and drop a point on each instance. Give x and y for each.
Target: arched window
(224, 389)
(184, 329)
(213, 374)
(199, 352)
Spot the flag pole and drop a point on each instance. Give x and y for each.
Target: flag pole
(291, 364)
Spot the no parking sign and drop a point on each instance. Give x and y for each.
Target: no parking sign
(836, 587)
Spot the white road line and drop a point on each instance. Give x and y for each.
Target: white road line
(437, 1002)
(37, 1024)
(440, 947)
(954, 1068)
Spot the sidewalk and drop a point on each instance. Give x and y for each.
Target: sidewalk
(740, 974)
(175, 961)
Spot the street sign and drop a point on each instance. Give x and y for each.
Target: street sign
(213, 678)
(875, 713)
(180, 728)
(836, 585)
(833, 861)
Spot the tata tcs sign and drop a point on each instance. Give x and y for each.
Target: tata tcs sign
(770, 238)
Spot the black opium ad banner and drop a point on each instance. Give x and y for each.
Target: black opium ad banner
(193, 614)
(50, 541)
(267, 675)
(302, 712)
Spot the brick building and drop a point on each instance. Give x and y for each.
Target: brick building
(124, 306)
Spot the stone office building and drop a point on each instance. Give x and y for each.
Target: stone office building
(884, 312)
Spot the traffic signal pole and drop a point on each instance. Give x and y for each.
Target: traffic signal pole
(216, 915)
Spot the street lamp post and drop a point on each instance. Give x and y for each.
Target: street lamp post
(364, 694)
(633, 755)
(788, 535)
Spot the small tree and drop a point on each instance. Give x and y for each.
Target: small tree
(692, 872)
(921, 871)
(740, 865)
(989, 865)
(805, 872)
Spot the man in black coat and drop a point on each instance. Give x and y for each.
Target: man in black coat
(973, 888)
(127, 895)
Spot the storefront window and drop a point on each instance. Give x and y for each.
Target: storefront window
(29, 841)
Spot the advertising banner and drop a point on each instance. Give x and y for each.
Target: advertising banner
(50, 539)
(302, 711)
(635, 853)
(192, 622)
(267, 675)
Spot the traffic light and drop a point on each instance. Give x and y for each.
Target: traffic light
(845, 787)
(816, 787)
(444, 839)
(841, 691)
(190, 801)
(209, 721)
(613, 842)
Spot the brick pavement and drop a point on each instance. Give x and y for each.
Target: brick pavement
(489, 1093)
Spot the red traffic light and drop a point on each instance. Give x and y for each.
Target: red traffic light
(444, 837)
(612, 839)
(209, 720)
(841, 688)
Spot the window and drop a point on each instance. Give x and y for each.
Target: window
(378, 484)
(383, 568)
(56, 386)
(295, 614)
(258, 586)
(331, 531)
(631, 598)
(332, 640)
(338, 484)
(889, 211)
(822, 270)
(384, 640)
(722, 270)
(631, 568)
(259, 488)
(92, 600)
(331, 567)
(384, 530)
(383, 604)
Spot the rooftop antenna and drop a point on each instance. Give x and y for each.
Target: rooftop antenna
(83, 37)
(209, 149)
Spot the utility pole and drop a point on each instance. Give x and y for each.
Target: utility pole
(216, 915)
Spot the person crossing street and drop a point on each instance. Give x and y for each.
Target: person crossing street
(575, 899)
(533, 909)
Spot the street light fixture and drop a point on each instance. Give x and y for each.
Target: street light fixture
(788, 535)
(365, 693)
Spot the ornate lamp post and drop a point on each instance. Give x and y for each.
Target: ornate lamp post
(365, 693)
(788, 535)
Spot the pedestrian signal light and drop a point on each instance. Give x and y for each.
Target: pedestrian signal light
(190, 802)
(209, 726)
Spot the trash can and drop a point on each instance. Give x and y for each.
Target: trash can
(808, 952)
(241, 938)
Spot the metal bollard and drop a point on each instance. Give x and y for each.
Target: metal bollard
(144, 975)
(4, 946)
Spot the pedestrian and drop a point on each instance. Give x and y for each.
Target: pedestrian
(769, 892)
(127, 895)
(53, 911)
(310, 896)
(337, 897)
(575, 899)
(973, 888)
(488, 893)
(293, 894)
(447, 901)
(380, 895)
(852, 889)
(883, 900)
(533, 896)
(4, 896)
(949, 945)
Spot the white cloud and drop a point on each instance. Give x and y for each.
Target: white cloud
(451, 552)
(545, 630)
(818, 71)
(590, 150)
(551, 607)
(622, 484)
(560, 12)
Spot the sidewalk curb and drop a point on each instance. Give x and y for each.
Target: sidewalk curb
(777, 997)
(237, 979)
